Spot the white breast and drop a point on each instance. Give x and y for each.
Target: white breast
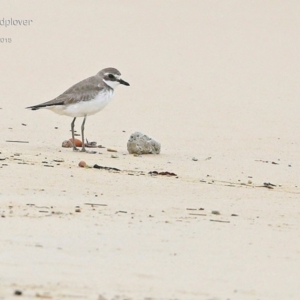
(84, 108)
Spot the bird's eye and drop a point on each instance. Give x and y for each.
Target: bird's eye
(111, 76)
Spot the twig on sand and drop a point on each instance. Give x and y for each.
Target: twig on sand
(17, 141)
(191, 214)
(95, 204)
(106, 168)
(220, 221)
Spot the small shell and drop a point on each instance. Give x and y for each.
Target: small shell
(67, 144)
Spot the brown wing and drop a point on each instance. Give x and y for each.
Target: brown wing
(84, 90)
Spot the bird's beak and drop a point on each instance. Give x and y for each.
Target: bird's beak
(124, 82)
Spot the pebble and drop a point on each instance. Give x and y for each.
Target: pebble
(215, 212)
(82, 164)
(195, 159)
(140, 143)
(114, 156)
(18, 293)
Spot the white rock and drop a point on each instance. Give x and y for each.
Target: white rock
(140, 143)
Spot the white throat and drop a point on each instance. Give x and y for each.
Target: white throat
(112, 84)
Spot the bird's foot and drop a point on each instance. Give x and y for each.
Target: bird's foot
(75, 149)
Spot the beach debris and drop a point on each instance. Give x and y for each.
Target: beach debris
(24, 124)
(136, 173)
(18, 293)
(269, 185)
(195, 159)
(91, 144)
(76, 142)
(16, 141)
(77, 209)
(111, 150)
(67, 144)
(220, 221)
(95, 204)
(215, 212)
(82, 164)
(59, 160)
(234, 215)
(248, 184)
(166, 173)
(195, 214)
(105, 168)
(267, 162)
(140, 143)
(43, 296)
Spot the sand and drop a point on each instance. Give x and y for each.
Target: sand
(217, 81)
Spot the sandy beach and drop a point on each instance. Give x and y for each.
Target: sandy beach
(217, 84)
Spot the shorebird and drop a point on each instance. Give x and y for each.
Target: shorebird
(85, 98)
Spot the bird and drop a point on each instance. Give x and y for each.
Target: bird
(85, 98)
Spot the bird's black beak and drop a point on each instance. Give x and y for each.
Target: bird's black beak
(124, 82)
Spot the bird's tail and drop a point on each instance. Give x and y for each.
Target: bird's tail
(35, 107)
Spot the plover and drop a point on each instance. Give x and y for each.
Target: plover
(85, 98)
